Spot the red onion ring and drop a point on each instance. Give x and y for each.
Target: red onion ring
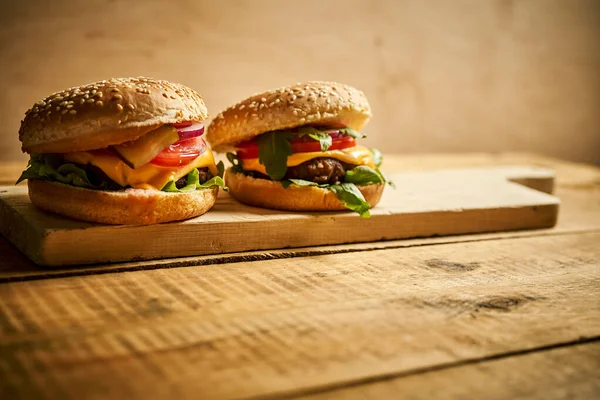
(189, 131)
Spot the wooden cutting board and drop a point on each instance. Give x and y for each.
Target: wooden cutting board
(424, 204)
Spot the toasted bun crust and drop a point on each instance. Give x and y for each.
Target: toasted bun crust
(288, 107)
(130, 206)
(104, 113)
(271, 194)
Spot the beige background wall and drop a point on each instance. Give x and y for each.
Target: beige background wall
(467, 75)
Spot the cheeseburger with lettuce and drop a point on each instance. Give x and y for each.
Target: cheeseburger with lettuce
(120, 151)
(298, 148)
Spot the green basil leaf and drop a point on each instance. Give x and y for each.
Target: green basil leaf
(235, 162)
(322, 137)
(221, 168)
(352, 198)
(377, 157)
(386, 179)
(351, 132)
(273, 150)
(363, 175)
(302, 182)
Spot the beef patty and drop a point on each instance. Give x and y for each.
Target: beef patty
(318, 170)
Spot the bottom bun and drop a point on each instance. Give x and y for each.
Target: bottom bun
(271, 194)
(123, 207)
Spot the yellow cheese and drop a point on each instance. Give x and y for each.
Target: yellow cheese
(358, 155)
(148, 176)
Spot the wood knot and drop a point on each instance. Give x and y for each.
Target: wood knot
(503, 303)
(451, 266)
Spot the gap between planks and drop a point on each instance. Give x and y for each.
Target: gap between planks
(554, 363)
(35, 273)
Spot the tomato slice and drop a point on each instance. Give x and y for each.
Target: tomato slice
(180, 153)
(250, 149)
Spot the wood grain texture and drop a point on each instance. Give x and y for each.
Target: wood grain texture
(464, 75)
(569, 373)
(286, 326)
(424, 204)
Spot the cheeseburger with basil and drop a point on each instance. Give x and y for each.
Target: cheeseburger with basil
(298, 148)
(120, 151)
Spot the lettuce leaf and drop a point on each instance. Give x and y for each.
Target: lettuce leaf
(51, 167)
(322, 137)
(273, 150)
(193, 183)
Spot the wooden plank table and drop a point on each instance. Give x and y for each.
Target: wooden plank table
(497, 315)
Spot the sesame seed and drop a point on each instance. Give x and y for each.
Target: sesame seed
(69, 105)
(57, 108)
(130, 106)
(99, 103)
(64, 112)
(72, 112)
(99, 94)
(263, 99)
(63, 103)
(117, 97)
(89, 101)
(165, 96)
(295, 113)
(120, 108)
(242, 107)
(81, 101)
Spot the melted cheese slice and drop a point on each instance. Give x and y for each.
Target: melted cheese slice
(358, 155)
(147, 176)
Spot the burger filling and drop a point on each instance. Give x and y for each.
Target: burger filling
(172, 158)
(327, 157)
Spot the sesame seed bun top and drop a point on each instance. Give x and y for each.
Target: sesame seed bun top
(288, 107)
(105, 113)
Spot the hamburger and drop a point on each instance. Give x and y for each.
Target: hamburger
(120, 151)
(297, 148)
